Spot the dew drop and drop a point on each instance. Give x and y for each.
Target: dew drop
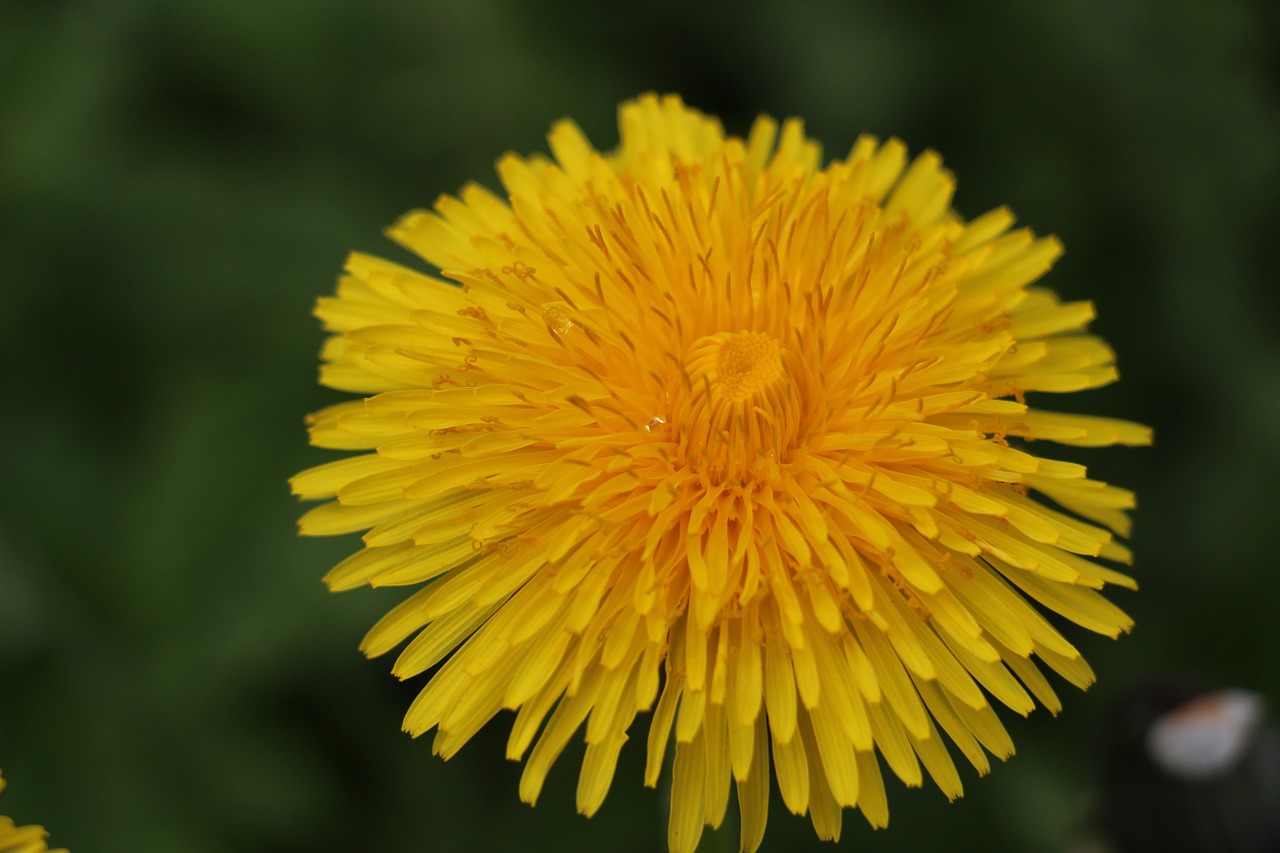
(656, 424)
(557, 318)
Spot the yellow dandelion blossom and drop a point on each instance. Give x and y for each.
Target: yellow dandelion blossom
(22, 839)
(704, 429)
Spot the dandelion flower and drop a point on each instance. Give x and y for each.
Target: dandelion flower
(22, 839)
(703, 429)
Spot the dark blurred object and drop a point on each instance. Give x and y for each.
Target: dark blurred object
(1187, 769)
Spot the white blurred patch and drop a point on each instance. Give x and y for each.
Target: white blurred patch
(1206, 737)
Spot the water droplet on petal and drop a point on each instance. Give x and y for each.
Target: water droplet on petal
(557, 318)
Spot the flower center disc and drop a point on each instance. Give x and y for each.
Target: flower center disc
(735, 413)
(745, 363)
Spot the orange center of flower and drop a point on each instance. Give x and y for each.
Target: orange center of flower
(746, 362)
(736, 402)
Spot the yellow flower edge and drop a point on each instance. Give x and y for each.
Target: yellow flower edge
(705, 429)
(22, 839)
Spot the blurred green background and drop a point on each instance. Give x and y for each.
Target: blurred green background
(179, 181)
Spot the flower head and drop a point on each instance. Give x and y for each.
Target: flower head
(704, 429)
(22, 839)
